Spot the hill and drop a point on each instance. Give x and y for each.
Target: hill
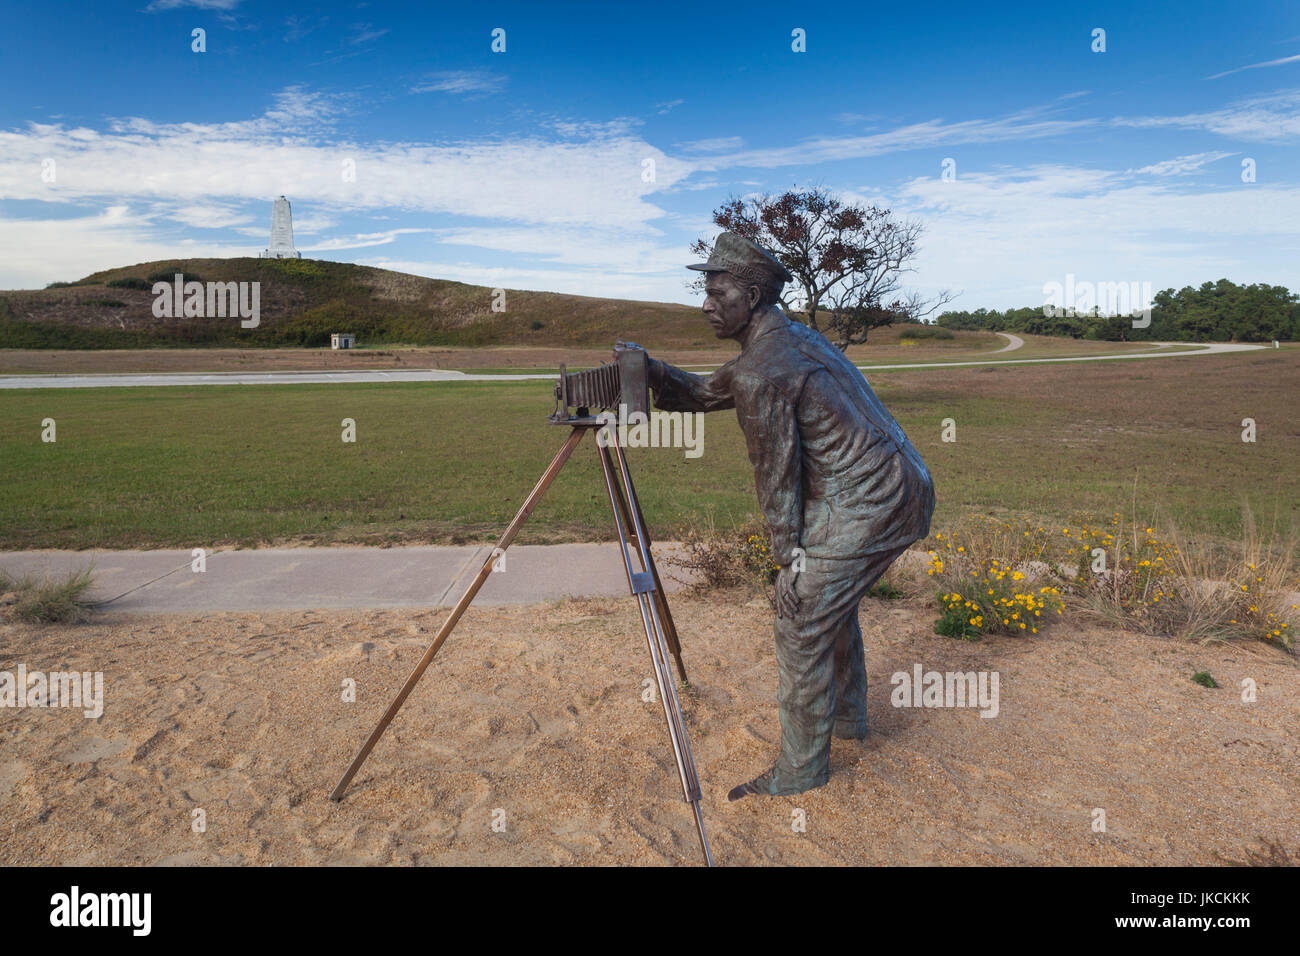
(303, 301)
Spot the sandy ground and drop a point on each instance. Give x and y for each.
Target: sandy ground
(537, 711)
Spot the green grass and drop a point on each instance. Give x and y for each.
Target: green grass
(247, 465)
(182, 467)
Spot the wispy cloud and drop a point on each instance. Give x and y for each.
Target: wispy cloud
(1181, 165)
(1273, 117)
(1027, 124)
(1258, 66)
(364, 33)
(158, 5)
(716, 144)
(297, 27)
(663, 108)
(461, 82)
(361, 241)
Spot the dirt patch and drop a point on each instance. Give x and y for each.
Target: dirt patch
(537, 711)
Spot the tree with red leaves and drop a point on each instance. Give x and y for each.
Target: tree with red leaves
(847, 259)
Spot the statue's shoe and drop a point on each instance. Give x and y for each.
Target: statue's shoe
(762, 784)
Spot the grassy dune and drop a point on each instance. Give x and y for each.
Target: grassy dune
(304, 300)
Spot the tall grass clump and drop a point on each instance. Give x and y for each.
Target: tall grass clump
(1162, 581)
(49, 601)
(737, 556)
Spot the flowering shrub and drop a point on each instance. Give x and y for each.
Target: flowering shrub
(985, 594)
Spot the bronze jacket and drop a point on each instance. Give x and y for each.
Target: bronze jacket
(836, 475)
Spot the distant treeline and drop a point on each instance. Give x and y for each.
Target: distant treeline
(1216, 312)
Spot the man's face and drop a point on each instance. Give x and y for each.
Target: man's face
(728, 304)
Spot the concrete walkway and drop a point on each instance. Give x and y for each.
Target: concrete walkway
(280, 579)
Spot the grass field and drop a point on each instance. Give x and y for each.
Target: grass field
(183, 467)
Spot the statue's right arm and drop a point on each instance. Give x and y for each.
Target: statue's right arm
(679, 391)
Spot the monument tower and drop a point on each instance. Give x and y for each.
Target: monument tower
(281, 232)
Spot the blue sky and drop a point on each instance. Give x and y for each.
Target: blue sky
(526, 169)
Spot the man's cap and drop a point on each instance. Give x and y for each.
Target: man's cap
(745, 260)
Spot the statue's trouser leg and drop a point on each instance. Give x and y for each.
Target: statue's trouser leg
(822, 685)
(850, 680)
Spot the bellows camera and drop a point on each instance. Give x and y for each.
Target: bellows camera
(623, 382)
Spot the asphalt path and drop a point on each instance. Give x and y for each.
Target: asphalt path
(374, 376)
(284, 579)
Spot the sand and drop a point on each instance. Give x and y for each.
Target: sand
(533, 716)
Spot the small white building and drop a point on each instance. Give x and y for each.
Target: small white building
(343, 340)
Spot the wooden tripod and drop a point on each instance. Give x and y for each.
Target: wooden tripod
(660, 632)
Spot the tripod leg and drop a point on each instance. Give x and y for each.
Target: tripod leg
(636, 529)
(642, 585)
(661, 596)
(529, 504)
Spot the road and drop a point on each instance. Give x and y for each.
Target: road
(154, 379)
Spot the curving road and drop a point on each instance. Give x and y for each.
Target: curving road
(127, 380)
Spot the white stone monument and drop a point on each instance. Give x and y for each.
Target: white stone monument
(281, 232)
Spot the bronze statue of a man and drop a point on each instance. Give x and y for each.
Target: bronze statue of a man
(842, 489)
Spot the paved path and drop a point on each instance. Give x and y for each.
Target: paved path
(1013, 342)
(275, 579)
(445, 375)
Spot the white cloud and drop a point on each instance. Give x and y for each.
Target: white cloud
(717, 144)
(573, 213)
(157, 5)
(364, 33)
(461, 82)
(34, 252)
(1182, 165)
(593, 176)
(1274, 117)
(210, 216)
(361, 241)
(1000, 235)
(1257, 66)
(1023, 125)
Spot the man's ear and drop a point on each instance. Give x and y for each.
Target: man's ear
(755, 296)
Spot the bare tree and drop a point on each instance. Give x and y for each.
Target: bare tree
(846, 256)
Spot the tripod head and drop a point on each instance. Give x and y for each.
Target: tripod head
(623, 382)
